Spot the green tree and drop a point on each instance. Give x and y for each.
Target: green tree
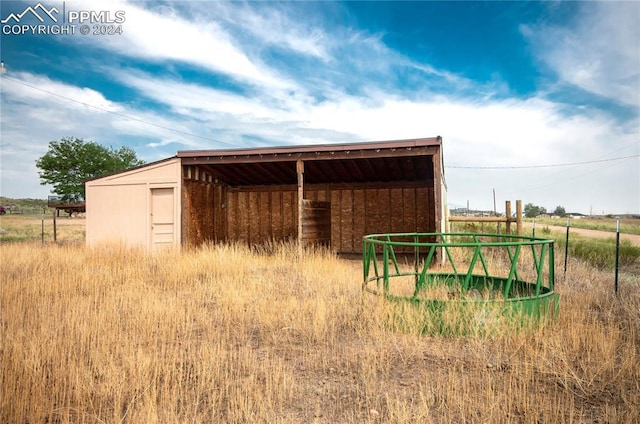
(71, 161)
(531, 210)
(560, 211)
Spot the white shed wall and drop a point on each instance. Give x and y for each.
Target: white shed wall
(119, 206)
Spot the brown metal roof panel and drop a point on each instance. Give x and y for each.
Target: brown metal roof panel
(212, 158)
(291, 150)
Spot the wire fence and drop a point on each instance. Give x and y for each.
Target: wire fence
(610, 254)
(613, 254)
(21, 210)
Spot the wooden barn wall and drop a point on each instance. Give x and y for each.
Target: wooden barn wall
(356, 212)
(203, 217)
(264, 214)
(259, 214)
(316, 223)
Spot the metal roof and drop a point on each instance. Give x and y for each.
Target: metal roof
(399, 160)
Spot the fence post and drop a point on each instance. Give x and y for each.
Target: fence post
(44, 210)
(617, 255)
(519, 217)
(416, 257)
(566, 247)
(534, 227)
(507, 213)
(55, 227)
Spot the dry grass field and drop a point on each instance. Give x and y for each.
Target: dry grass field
(627, 225)
(229, 334)
(20, 228)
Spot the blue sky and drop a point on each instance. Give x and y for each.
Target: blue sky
(512, 87)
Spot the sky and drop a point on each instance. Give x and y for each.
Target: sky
(535, 101)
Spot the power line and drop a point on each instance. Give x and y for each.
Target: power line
(122, 115)
(554, 183)
(542, 166)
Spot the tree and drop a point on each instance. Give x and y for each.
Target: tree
(560, 211)
(71, 161)
(531, 210)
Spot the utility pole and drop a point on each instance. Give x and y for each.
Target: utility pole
(495, 210)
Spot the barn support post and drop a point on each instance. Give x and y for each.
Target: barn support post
(300, 172)
(439, 190)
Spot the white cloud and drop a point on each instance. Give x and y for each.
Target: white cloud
(487, 126)
(186, 98)
(273, 26)
(35, 88)
(599, 52)
(162, 34)
(276, 109)
(504, 132)
(37, 109)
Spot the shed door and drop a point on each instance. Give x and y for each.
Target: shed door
(162, 218)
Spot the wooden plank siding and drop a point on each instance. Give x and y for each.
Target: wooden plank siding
(263, 213)
(290, 215)
(277, 224)
(244, 219)
(358, 225)
(256, 217)
(204, 218)
(345, 213)
(316, 223)
(337, 225)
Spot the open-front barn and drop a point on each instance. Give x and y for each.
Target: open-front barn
(326, 194)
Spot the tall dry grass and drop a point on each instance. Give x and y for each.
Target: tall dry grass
(229, 334)
(23, 228)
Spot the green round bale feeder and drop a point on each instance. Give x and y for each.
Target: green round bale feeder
(461, 283)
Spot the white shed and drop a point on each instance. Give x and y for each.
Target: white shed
(139, 206)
